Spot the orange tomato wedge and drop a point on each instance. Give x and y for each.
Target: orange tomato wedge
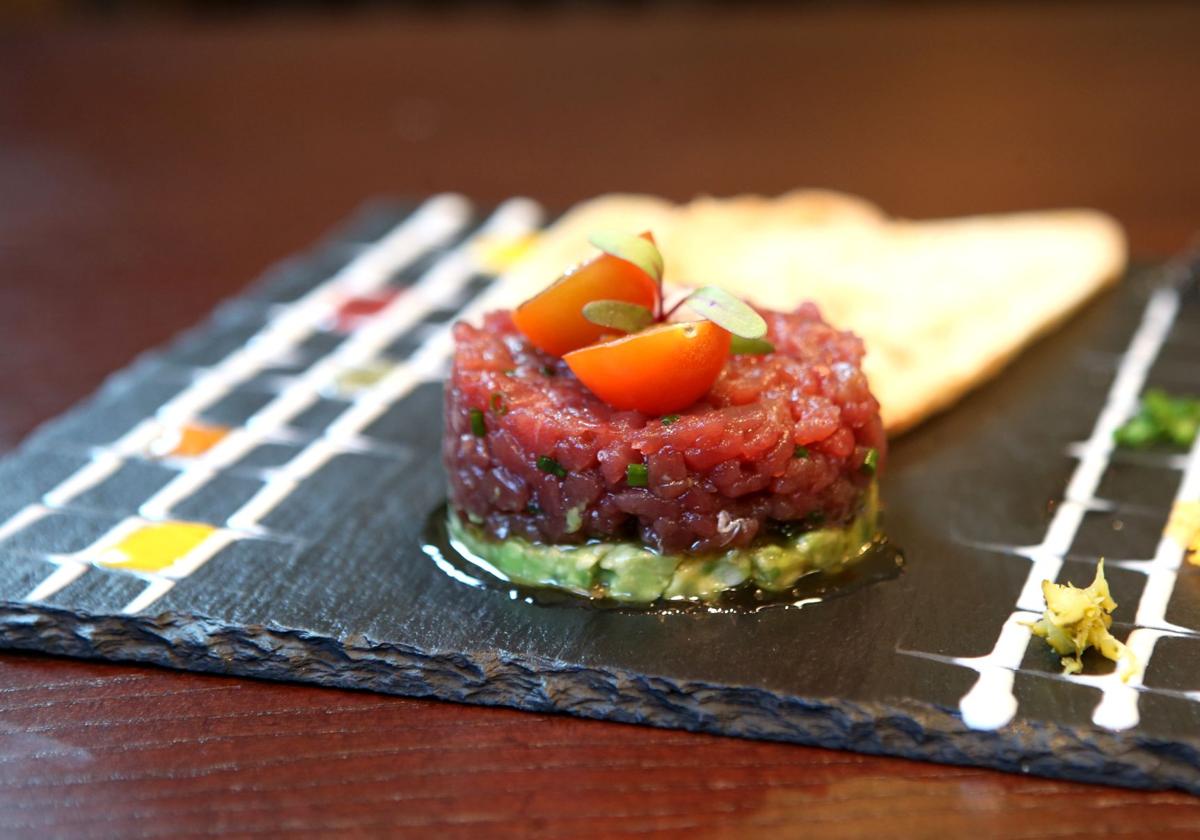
(657, 371)
(553, 320)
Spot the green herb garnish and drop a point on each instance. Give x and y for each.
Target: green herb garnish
(641, 252)
(1161, 419)
(727, 312)
(636, 475)
(870, 461)
(618, 315)
(710, 302)
(800, 451)
(533, 509)
(478, 427)
(669, 419)
(547, 464)
(750, 346)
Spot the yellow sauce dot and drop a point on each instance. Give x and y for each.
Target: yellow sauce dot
(1184, 528)
(155, 547)
(500, 253)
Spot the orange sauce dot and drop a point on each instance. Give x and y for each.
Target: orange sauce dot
(190, 440)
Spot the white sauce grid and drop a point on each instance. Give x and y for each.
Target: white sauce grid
(991, 702)
(427, 228)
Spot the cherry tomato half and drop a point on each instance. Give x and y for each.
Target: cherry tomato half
(553, 320)
(657, 371)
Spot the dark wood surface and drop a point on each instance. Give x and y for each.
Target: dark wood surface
(149, 169)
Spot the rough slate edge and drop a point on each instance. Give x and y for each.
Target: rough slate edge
(194, 643)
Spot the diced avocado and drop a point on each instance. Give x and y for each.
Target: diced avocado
(567, 567)
(630, 572)
(706, 577)
(778, 566)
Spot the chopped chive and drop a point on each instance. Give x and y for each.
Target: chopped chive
(636, 475)
(870, 461)
(478, 427)
(547, 464)
(533, 509)
(800, 451)
(669, 419)
(497, 403)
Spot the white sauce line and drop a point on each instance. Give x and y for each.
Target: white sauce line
(1120, 404)
(197, 557)
(1118, 707)
(60, 577)
(440, 283)
(22, 519)
(991, 703)
(514, 217)
(156, 588)
(1117, 697)
(428, 362)
(71, 566)
(89, 475)
(162, 582)
(432, 223)
(98, 550)
(1168, 557)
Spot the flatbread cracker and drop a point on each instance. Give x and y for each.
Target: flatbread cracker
(942, 305)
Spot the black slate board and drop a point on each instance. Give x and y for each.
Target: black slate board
(316, 570)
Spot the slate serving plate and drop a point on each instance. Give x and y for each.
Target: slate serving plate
(251, 500)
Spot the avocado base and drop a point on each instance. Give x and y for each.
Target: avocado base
(629, 572)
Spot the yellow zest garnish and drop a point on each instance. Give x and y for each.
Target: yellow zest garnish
(1076, 619)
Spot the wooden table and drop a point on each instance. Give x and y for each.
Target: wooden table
(148, 170)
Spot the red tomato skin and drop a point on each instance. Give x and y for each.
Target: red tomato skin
(657, 371)
(553, 319)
